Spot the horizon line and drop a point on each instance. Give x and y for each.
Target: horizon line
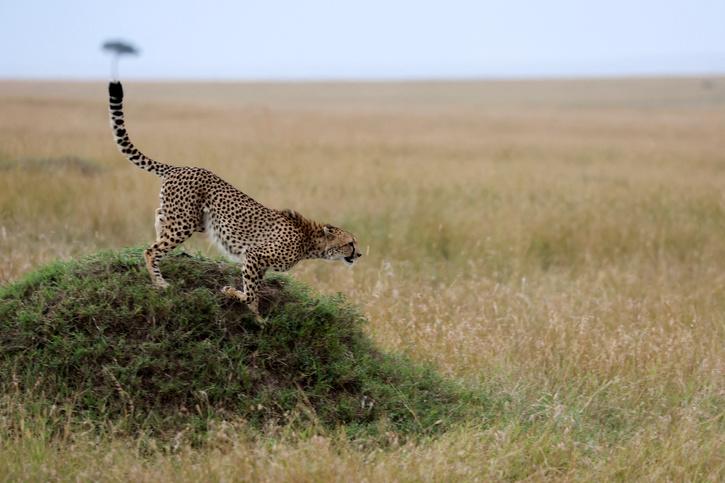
(378, 79)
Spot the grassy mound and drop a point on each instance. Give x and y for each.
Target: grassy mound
(92, 338)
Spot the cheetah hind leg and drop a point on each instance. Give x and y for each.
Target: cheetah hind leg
(169, 238)
(159, 222)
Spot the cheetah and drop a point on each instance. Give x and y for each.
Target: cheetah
(259, 238)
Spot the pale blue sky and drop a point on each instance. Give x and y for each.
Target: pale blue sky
(320, 39)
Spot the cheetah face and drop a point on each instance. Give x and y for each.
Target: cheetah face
(340, 245)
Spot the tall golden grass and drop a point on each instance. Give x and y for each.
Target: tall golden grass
(558, 244)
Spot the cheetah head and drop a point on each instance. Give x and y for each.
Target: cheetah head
(338, 244)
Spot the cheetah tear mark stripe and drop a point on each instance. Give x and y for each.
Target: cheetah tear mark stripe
(115, 93)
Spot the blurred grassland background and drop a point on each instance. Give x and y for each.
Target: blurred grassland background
(558, 243)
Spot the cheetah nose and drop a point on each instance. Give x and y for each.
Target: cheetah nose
(358, 255)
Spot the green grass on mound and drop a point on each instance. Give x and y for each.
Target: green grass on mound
(92, 340)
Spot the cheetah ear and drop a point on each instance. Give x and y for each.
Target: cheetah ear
(327, 230)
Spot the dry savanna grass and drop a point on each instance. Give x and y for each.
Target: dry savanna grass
(559, 245)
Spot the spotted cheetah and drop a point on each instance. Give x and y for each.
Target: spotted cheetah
(259, 238)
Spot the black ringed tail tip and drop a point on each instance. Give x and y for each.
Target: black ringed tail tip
(115, 90)
(124, 144)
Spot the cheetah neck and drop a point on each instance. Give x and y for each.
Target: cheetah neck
(312, 232)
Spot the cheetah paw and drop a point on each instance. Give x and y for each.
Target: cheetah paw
(161, 284)
(234, 293)
(259, 320)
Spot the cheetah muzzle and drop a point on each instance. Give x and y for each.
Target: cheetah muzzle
(259, 238)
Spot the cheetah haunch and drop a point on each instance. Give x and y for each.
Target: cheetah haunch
(259, 238)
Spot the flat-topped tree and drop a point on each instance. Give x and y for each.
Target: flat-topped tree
(117, 48)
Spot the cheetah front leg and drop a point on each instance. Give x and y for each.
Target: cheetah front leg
(253, 270)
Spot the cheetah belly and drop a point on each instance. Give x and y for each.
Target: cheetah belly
(275, 242)
(222, 244)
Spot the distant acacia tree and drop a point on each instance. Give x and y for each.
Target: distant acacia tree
(117, 48)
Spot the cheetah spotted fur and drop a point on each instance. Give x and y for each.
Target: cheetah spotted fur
(259, 238)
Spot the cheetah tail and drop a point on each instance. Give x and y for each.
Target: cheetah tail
(115, 93)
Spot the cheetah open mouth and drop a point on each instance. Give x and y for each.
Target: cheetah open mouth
(353, 254)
